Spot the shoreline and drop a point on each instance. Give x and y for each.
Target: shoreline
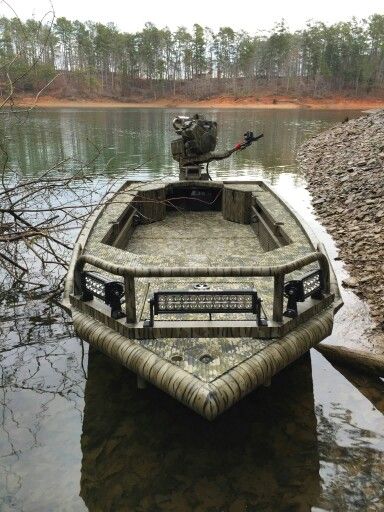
(344, 167)
(266, 102)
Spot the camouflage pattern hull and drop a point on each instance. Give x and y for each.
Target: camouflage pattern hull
(225, 237)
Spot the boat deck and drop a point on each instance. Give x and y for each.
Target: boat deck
(196, 239)
(168, 242)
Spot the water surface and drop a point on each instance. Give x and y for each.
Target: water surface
(77, 435)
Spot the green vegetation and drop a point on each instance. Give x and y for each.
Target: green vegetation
(96, 59)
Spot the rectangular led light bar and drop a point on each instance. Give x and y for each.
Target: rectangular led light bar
(201, 302)
(216, 301)
(94, 285)
(110, 292)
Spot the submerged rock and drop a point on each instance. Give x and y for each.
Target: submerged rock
(344, 167)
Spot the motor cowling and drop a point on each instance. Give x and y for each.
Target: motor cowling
(198, 136)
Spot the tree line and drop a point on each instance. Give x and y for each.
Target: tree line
(97, 59)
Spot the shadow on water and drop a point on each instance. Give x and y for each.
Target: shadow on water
(143, 451)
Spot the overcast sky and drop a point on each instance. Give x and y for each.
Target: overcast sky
(250, 15)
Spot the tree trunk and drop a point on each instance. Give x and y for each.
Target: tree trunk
(363, 361)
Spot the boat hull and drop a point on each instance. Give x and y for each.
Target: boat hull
(209, 399)
(244, 239)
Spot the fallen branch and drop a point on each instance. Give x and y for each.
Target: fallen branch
(365, 362)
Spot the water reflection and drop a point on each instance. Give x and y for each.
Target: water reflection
(143, 451)
(351, 438)
(41, 397)
(131, 137)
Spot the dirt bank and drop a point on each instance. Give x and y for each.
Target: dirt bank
(268, 101)
(345, 171)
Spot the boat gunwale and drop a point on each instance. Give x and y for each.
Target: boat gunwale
(80, 242)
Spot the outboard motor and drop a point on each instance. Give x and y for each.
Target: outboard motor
(198, 136)
(197, 143)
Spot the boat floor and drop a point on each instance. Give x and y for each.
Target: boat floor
(197, 239)
(204, 239)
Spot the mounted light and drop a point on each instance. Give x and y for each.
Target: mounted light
(200, 302)
(310, 285)
(208, 301)
(111, 292)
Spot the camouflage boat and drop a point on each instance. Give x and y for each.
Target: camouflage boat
(206, 289)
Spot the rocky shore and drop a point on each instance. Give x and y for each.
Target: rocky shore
(345, 171)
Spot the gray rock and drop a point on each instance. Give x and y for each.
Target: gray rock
(347, 185)
(350, 282)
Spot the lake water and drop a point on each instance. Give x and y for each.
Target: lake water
(76, 434)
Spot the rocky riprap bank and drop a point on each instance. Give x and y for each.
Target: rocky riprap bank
(345, 171)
